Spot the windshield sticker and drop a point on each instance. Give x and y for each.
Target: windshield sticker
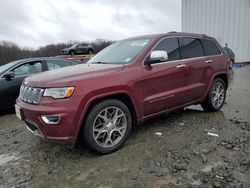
(139, 43)
(127, 59)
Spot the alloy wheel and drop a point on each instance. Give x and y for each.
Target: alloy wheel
(109, 127)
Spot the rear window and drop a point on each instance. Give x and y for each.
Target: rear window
(190, 48)
(210, 48)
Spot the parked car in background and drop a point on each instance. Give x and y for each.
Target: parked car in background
(127, 83)
(231, 56)
(13, 74)
(81, 48)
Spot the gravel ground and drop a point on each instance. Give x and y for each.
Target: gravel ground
(170, 151)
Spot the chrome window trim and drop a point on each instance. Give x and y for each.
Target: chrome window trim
(179, 60)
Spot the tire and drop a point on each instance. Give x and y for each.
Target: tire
(102, 132)
(216, 96)
(71, 52)
(231, 65)
(90, 51)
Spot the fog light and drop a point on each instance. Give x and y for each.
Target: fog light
(52, 120)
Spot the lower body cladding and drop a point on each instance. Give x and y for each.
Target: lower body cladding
(49, 121)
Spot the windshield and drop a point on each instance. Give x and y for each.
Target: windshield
(7, 66)
(74, 46)
(122, 52)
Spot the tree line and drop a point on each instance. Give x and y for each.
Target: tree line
(10, 51)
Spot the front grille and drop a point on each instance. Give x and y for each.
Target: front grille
(30, 95)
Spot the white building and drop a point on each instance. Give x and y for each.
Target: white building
(226, 20)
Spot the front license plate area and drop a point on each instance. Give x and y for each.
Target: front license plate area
(19, 112)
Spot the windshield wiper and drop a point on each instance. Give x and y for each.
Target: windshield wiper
(99, 62)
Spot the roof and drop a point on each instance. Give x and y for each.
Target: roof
(172, 33)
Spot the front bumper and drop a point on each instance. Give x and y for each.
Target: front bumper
(65, 131)
(34, 129)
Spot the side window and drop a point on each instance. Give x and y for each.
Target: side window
(171, 46)
(210, 48)
(28, 68)
(190, 48)
(55, 64)
(83, 45)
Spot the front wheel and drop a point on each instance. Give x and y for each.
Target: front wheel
(216, 96)
(107, 126)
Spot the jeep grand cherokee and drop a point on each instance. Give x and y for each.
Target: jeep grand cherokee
(127, 83)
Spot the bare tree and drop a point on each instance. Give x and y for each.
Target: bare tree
(10, 51)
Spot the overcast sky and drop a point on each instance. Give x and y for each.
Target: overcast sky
(33, 23)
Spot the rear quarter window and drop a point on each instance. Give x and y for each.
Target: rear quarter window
(210, 48)
(191, 48)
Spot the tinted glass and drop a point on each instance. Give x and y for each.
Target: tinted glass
(54, 64)
(210, 48)
(28, 68)
(122, 52)
(171, 46)
(83, 45)
(191, 48)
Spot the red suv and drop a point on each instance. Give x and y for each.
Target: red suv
(127, 83)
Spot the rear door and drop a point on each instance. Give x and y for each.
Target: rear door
(192, 54)
(164, 83)
(214, 59)
(82, 48)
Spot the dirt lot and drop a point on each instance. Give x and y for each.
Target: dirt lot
(184, 155)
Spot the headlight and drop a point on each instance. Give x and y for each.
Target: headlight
(59, 93)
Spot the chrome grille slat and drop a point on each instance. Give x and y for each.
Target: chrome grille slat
(30, 95)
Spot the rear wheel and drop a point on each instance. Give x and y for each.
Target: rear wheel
(107, 126)
(90, 51)
(216, 96)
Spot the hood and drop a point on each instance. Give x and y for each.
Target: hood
(64, 76)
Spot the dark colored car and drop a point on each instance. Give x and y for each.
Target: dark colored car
(231, 56)
(81, 48)
(13, 74)
(127, 83)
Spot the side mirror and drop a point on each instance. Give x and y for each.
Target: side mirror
(9, 76)
(156, 57)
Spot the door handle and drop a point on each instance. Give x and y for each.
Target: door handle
(209, 61)
(180, 66)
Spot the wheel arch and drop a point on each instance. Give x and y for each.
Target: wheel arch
(223, 76)
(123, 97)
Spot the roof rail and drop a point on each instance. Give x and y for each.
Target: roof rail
(204, 35)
